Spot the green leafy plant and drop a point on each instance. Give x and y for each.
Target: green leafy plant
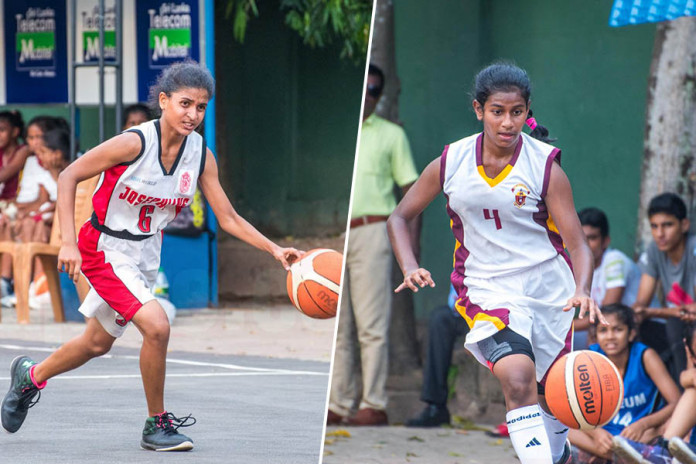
(318, 22)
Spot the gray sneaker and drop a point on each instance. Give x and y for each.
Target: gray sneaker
(160, 433)
(19, 398)
(684, 452)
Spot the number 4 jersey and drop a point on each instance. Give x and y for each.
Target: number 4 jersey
(501, 225)
(137, 199)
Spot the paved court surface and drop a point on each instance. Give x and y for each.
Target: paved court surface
(401, 445)
(262, 408)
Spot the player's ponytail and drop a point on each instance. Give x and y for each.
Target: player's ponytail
(538, 131)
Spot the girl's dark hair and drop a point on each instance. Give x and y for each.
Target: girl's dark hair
(58, 139)
(507, 77)
(624, 313)
(47, 123)
(186, 74)
(136, 108)
(689, 330)
(14, 119)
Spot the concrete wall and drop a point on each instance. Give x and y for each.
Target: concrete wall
(590, 85)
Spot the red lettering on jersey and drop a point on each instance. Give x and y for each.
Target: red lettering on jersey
(136, 199)
(124, 194)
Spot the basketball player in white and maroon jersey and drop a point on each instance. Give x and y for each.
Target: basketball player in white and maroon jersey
(148, 174)
(511, 210)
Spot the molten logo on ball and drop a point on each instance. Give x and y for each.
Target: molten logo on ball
(586, 390)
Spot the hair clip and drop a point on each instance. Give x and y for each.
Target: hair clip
(531, 122)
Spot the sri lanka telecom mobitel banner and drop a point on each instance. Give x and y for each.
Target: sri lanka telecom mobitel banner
(88, 18)
(167, 32)
(35, 51)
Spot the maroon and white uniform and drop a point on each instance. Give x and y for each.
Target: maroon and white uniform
(121, 244)
(510, 269)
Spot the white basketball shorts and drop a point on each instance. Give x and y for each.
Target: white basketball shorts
(530, 303)
(121, 273)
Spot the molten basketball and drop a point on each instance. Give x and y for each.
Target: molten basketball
(584, 390)
(314, 281)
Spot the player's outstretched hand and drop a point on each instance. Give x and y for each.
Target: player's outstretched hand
(587, 306)
(287, 256)
(415, 279)
(70, 261)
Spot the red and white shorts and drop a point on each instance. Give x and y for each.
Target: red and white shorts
(121, 273)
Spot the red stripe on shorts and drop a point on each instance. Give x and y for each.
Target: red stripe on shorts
(101, 275)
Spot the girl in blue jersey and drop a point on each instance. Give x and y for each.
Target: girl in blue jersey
(646, 382)
(673, 443)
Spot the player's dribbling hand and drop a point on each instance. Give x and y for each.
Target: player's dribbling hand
(70, 261)
(415, 279)
(587, 306)
(287, 256)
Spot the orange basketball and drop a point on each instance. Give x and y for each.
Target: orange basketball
(584, 390)
(314, 281)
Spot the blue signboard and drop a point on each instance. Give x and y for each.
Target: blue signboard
(626, 12)
(36, 61)
(167, 32)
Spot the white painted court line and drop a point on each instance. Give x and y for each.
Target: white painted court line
(260, 370)
(137, 376)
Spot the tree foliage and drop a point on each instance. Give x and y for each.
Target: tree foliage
(318, 22)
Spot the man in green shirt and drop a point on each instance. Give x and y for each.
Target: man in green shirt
(383, 159)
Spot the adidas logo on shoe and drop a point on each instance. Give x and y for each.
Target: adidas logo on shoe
(533, 442)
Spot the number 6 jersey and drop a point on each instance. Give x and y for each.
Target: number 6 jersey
(501, 225)
(137, 199)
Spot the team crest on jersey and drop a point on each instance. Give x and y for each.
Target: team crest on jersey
(185, 181)
(521, 191)
(120, 320)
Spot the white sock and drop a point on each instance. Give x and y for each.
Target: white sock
(556, 432)
(528, 435)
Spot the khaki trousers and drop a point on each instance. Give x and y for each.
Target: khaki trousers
(363, 322)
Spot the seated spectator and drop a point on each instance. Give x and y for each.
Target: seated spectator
(616, 277)
(135, 115)
(670, 259)
(672, 443)
(32, 216)
(645, 380)
(13, 154)
(445, 326)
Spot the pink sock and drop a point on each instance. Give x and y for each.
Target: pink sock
(33, 380)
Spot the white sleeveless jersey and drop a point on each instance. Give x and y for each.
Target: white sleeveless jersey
(501, 225)
(137, 199)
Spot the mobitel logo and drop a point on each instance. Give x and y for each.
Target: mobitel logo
(35, 39)
(90, 34)
(90, 45)
(169, 34)
(587, 395)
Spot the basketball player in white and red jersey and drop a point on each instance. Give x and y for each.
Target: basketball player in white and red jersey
(148, 173)
(514, 280)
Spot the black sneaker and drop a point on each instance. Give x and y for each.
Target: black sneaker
(160, 433)
(684, 452)
(20, 395)
(433, 415)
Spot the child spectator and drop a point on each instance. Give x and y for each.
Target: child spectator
(671, 443)
(134, 115)
(616, 277)
(13, 154)
(30, 218)
(645, 380)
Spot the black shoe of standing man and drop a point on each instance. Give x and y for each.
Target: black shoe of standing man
(434, 415)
